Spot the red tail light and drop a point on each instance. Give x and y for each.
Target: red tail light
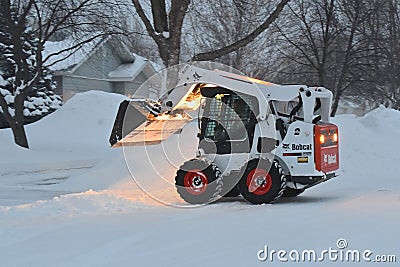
(321, 139)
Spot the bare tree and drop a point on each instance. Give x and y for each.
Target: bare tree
(25, 28)
(218, 23)
(383, 33)
(166, 29)
(392, 52)
(325, 44)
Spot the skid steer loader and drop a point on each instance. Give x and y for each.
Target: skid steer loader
(256, 139)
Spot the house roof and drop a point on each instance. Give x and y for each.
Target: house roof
(65, 62)
(128, 71)
(59, 60)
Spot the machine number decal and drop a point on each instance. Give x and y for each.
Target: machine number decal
(302, 159)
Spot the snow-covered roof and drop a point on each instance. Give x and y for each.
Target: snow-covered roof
(156, 66)
(127, 72)
(66, 60)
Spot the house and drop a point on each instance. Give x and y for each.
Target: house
(105, 65)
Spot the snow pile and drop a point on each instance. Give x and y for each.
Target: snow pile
(369, 150)
(67, 143)
(84, 122)
(79, 130)
(383, 121)
(89, 202)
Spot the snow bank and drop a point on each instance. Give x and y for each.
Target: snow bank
(79, 130)
(84, 122)
(383, 121)
(89, 202)
(369, 150)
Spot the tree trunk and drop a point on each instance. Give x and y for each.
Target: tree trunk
(321, 76)
(160, 18)
(19, 134)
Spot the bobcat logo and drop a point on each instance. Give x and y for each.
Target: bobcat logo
(197, 76)
(330, 158)
(285, 146)
(301, 147)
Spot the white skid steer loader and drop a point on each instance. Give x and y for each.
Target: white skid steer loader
(257, 139)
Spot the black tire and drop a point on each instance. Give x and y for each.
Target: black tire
(291, 192)
(199, 181)
(262, 181)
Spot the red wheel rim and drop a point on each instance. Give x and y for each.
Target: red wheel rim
(259, 181)
(195, 182)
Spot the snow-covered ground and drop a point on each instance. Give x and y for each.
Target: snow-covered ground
(71, 200)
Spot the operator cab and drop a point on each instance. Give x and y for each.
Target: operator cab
(227, 122)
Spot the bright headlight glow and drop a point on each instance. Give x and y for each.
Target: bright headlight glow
(335, 137)
(322, 138)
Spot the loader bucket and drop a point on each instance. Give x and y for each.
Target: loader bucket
(135, 125)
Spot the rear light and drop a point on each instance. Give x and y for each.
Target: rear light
(327, 137)
(335, 137)
(322, 138)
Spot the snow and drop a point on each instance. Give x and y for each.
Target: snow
(130, 70)
(65, 60)
(165, 34)
(71, 200)
(9, 98)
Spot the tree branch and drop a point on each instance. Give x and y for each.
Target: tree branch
(244, 41)
(159, 12)
(147, 23)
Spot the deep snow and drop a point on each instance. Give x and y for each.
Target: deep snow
(71, 200)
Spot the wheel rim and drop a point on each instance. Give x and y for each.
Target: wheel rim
(259, 182)
(195, 182)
